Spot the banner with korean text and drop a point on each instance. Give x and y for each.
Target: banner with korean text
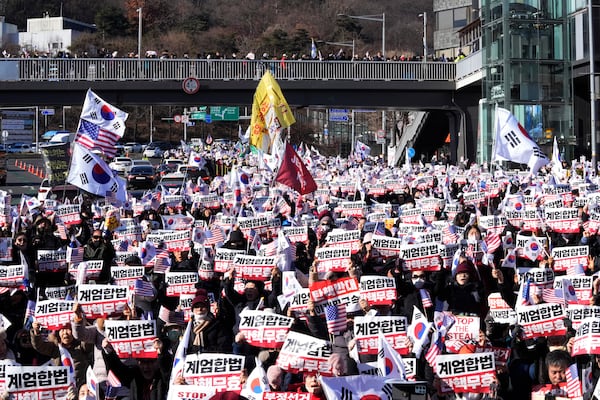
(254, 267)
(264, 329)
(42, 382)
(341, 291)
(54, 314)
(132, 338)
(470, 373)
(587, 338)
(101, 301)
(304, 353)
(546, 319)
(368, 329)
(215, 370)
(378, 290)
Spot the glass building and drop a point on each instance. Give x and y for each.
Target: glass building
(527, 61)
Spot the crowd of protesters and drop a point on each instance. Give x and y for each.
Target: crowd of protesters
(380, 198)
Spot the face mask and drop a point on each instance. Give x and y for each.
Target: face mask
(472, 236)
(173, 336)
(419, 283)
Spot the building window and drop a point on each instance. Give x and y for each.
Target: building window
(452, 19)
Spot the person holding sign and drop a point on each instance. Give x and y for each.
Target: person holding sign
(64, 337)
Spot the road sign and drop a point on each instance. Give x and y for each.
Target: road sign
(185, 118)
(338, 115)
(219, 113)
(190, 85)
(177, 118)
(47, 111)
(4, 134)
(411, 152)
(208, 118)
(200, 115)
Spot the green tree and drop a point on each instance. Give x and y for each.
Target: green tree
(112, 22)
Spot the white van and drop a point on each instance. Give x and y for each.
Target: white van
(62, 138)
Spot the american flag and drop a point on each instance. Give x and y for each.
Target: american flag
(91, 136)
(493, 242)
(143, 288)
(162, 260)
(351, 223)
(379, 229)
(573, 382)
(425, 298)
(112, 379)
(268, 249)
(336, 318)
(214, 235)
(435, 349)
(551, 295)
(449, 235)
(30, 310)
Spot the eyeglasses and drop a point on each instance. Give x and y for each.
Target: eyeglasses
(418, 276)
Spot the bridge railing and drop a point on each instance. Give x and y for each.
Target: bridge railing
(126, 69)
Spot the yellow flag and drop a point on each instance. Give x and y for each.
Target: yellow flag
(270, 113)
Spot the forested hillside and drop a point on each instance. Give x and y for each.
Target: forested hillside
(200, 27)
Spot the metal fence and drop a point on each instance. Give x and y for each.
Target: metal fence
(126, 69)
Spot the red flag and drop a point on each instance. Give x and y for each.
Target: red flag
(293, 172)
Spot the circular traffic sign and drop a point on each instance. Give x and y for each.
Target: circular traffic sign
(191, 85)
(207, 118)
(5, 134)
(177, 118)
(411, 152)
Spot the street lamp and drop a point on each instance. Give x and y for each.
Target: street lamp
(424, 15)
(346, 44)
(377, 18)
(139, 11)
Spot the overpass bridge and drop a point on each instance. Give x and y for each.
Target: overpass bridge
(451, 90)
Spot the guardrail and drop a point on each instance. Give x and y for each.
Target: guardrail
(126, 69)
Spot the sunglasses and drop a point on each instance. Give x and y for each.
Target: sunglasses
(96, 237)
(418, 276)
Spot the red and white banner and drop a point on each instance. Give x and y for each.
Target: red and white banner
(69, 214)
(304, 353)
(500, 311)
(264, 329)
(341, 291)
(254, 267)
(493, 223)
(214, 370)
(421, 257)
(387, 246)
(345, 239)
(578, 313)
(127, 275)
(224, 258)
(12, 276)
(91, 269)
(129, 234)
(464, 328)
(59, 292)
(582, 285)
(470, 373)
(566, 258)
(132, 338)
(296, 233)
(354, 208)
(501, 354)
(546, 319)
(37, 383)
(173, 240)
(190, 392)
(258, 224)
(52, 260)
(332, 259)
(179, 283)
(299, 301)
(368, 329)
(587, 338)
(54, 314)
(101, 301)
(378, 290)
(562, 220)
